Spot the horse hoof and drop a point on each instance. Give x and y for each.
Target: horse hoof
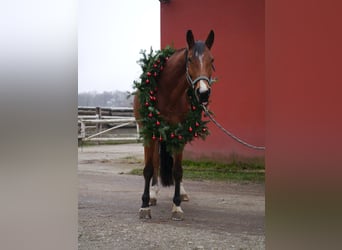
(153, 202)
(184, 197)
(145, 213)
(177, 213)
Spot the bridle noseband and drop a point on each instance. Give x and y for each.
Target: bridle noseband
(193, 82)
(188, 77)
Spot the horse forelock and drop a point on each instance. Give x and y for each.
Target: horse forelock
(198, 48)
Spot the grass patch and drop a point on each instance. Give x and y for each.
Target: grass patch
(206, 170)
(132, 160)
(136, 171)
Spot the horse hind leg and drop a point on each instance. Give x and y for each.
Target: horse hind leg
(183, 194)
(154, 190)
(153, 195)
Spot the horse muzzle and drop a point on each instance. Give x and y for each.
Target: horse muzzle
(203, 96)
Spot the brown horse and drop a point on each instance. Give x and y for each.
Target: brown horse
(190, 67)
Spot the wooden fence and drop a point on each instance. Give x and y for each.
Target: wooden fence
(107, 124)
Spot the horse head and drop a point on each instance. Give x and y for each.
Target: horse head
(199, 66)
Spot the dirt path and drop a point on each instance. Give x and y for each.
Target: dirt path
(218, 215)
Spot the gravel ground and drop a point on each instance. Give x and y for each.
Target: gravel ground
(218, 216)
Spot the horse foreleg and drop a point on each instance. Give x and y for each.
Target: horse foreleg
(154, 190)
(145, 211)
(177, 212)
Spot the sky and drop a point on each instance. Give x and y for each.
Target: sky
(111, 34)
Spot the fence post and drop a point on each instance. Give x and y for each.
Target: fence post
(83, 134)
(99, 116)
(138, 131)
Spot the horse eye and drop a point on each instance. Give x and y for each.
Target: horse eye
(189, 60)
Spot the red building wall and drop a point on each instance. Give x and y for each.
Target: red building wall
(304, 124)
(238, 97)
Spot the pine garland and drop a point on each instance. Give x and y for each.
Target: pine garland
(154, 127)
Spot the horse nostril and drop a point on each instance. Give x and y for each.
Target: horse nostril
(198, 92)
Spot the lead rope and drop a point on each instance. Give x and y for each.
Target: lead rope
(230, 134)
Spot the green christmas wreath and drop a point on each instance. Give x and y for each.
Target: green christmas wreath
(154, 127)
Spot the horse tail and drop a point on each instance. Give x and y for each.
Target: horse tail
(166, 162)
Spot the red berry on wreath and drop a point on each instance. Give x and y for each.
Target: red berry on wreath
(147, 104)
(190, 129)
(147, 81)
(197, 124)
(157, 123)
(153, 137)
(160, 138)
(149, 74)
(155, 74)
(204, 129)
(193, 108)
(196, 135)
(180, 137)
(150, 115)
(172, 135)
(151, 92)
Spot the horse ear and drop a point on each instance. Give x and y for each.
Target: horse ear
(190, 39)
(210, 39)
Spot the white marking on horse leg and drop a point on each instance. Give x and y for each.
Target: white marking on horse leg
(145, 213)
(203, 87)
(177, 209)
(184, 195)
(154, 190)
(177, 213)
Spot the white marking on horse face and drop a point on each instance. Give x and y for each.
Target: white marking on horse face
(201, 60)
(203, 87)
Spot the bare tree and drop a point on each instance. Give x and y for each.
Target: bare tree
(105, 99)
